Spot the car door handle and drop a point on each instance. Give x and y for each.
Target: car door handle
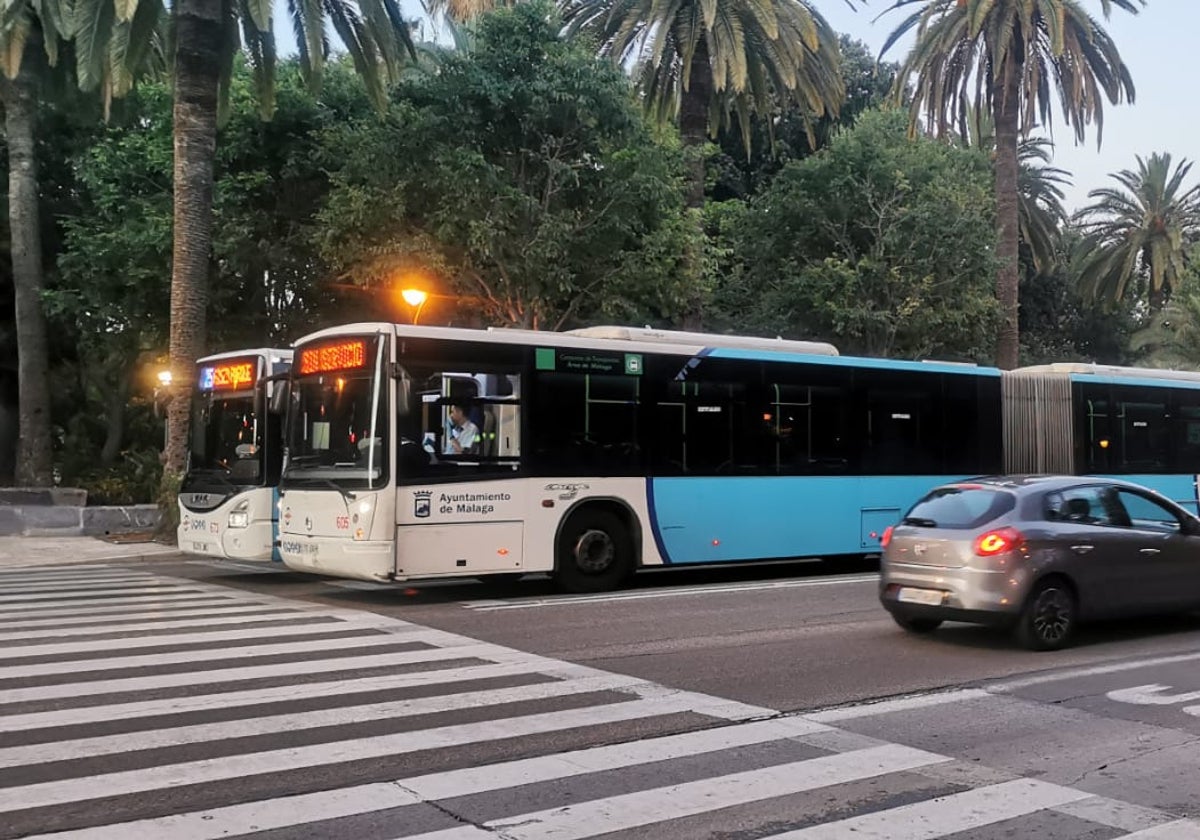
(1082, 549)
(1151, 551)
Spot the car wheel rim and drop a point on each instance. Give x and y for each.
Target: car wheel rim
(1052, 615)
(594, 552)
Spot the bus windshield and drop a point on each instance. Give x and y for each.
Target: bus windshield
(338, 426)
(227, 436)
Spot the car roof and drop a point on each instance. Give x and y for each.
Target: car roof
(1019, 483)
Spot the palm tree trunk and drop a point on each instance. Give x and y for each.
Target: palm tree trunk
(34, 461)
(693, 121)
(197, 72)
(1006, 112)
(693, 130)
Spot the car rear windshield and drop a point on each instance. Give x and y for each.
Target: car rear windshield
(960, 507)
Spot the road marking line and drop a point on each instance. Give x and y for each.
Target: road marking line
(166, 640)
(200, 733)
(284, 812)
(66, 609)
(216, 655)
(571, 600)
(253, 697)
(1177, 830)
(366, 660)
(221, 608)
(900, 704)
(144, 780)
(648, 807)
(200, 624)
(1005, 686)
(945, 814)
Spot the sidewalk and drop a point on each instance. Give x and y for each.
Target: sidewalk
(40, 551)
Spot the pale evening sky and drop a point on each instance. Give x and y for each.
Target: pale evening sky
(1156, 45)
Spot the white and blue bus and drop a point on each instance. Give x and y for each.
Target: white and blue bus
(228, 501)
(427, 452)
(1140, 424)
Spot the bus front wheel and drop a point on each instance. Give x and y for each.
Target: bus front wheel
(595, 552)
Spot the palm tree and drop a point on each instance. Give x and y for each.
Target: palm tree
(1171, 338)
(376, 37)
(1141, 230)
(1040, 211)
(1041, 189)
(111, 42)
(1010, 57)
(705, 61)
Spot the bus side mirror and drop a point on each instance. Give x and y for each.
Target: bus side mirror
(279, 397)
(403, 393)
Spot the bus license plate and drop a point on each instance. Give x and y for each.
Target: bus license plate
(930, 597)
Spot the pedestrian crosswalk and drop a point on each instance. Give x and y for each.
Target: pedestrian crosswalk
(136, 705)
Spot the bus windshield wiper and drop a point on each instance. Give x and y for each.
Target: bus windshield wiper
(218, 473)
(348, 495)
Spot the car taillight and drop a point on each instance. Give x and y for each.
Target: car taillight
(998, 542)
(887, 536)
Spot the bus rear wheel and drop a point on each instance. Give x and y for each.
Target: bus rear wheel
(594, 552)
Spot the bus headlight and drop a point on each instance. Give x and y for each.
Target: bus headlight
(239, 517)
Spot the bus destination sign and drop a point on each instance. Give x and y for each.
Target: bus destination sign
(341, 355)
(232, 375)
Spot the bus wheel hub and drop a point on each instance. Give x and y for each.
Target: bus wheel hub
(594, 551)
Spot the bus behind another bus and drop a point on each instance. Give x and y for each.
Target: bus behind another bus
(228, 500)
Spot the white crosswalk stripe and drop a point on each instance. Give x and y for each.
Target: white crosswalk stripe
(128, 713)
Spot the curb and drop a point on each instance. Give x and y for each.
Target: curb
(132, 557)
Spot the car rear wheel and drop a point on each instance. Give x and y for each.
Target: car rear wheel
(917, 625)
(1049, 618)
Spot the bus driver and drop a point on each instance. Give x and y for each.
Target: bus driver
(462, 432)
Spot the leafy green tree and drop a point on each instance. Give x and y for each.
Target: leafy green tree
(521, 178)
(112, 299)
(1058, 324)
(207, 40)
(1011, 58)
(110, 42)
(1141, 231)
(787, 131)
(878, 244)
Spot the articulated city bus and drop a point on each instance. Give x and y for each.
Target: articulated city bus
(228, 498)
(1139, 424)
(426, 452)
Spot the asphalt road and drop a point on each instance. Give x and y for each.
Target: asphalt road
(190, 700)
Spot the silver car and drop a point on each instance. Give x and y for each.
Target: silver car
(1039, 554)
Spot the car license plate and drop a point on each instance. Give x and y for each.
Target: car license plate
(931, 597)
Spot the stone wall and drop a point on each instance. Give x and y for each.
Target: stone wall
(64, 512)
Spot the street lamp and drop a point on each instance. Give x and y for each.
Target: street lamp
(416, 299)
(164, 387)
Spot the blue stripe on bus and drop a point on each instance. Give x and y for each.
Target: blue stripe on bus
(712, 520)
(1133, 382)
(851, 361)
(1181, 489)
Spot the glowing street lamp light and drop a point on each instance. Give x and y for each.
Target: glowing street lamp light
(164, 378)
(416, 299)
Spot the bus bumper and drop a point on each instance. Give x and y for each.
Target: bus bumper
(206, 535)
(339, 557)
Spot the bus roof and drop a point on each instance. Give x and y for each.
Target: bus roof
(650, 340)
(1084, 371)
(275, 354)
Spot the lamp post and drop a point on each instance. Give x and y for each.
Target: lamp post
(164, 387)
(416, 299)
